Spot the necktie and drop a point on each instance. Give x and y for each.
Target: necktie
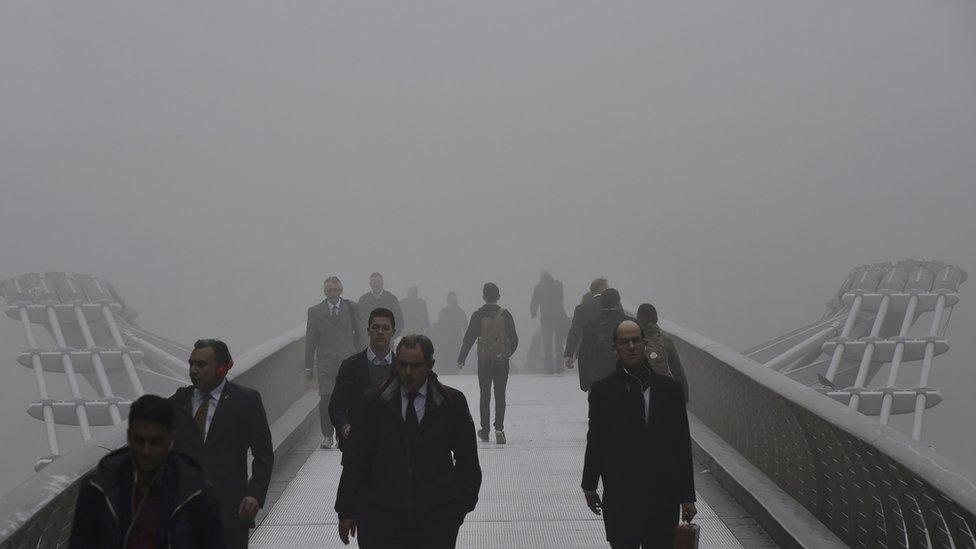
(413, 425)
(201, 415)
(335, 310)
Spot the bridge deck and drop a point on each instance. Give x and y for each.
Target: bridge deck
(530, 495)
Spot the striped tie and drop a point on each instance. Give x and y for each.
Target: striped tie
(201, 415)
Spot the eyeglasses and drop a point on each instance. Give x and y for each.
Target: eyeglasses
(630, 341)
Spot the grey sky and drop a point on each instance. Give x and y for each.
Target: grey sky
(729, 162)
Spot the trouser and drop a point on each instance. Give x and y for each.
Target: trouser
(324, 420)
(387, 532)
(236, 538)
(551, 340)
(493, 372)
(658, 531)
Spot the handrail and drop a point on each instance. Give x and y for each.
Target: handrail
(870, 484)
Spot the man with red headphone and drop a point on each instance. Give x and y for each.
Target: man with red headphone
(219, 422)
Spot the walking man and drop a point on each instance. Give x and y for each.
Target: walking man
(494, 329)
(588, 309)
(218, 423)
(416, 317)
(414, 455)
(547, 300)
(145, 495)
(378, 297)
(597, 359)
(449, 331)
(639, 445)
(332, 334)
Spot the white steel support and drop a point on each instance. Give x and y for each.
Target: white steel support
(845, 332)
(113, 408)
(52, 433)
(868, 357)
(802, 348)
(906, 325)
(130, 367)
(170, 363)
(927, 367)
(69, 370)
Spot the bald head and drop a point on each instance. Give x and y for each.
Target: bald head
(628, 342)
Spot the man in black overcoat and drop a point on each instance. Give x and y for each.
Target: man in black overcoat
(414, 454)
(217, 423)
(638, 443)
(588, 309)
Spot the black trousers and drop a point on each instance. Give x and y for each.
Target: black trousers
(551, 340)
(493, 372)
(326, 422)
(236, 538)
(658, 531)
(388, 532)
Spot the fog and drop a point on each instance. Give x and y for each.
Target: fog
(729, 162)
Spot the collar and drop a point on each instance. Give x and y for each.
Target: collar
(422, 390)
(377, 295)
(332, 305)
(371, 356)
(215, 393)
(431, 388)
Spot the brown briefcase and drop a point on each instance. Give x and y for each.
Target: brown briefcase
(686, 536)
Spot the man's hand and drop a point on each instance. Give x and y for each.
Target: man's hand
(460, 365)
(593, 502)
(688, 511)
(249, 508)
(308, 373)
(568, 361)
(346, 429)
(347, 527)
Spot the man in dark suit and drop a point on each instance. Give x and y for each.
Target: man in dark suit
(378, 297)
(357, 374)
(415, 456)
(218, 422)
(547, 299)
(588, 309)
(369, 368)
(638, 443)
(597, 359)
(332, 334)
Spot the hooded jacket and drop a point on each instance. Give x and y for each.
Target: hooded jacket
(189, 517)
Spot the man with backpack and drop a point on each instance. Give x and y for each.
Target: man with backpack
(494, 329)
(597, 359)
(661, 352)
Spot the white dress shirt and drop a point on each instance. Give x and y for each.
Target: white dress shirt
(647, 405)
(419, 402)
(214, 396)
(371, 356)
(334, 308)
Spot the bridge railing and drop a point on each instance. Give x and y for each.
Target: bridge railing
(38, 512)
(869, 483)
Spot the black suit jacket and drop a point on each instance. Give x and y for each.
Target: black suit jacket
(349, 396)
(583, 313)
(643, 465)
(438, 478)
(239, 424)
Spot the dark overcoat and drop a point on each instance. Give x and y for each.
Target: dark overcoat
(645, 465)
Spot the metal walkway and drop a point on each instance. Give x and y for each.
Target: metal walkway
(530, 496)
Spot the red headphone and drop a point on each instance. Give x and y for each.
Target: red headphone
(222, 370)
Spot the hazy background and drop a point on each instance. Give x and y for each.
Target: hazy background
(727, 161)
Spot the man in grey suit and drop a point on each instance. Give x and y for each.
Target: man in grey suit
(333, 332)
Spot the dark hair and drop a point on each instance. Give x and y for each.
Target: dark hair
(598, 284)
(490, 292)
(610, 298)
(221, 352)
(152, 408)
(413, 341)
(617, 327)
(381, 312)
(648, 312)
